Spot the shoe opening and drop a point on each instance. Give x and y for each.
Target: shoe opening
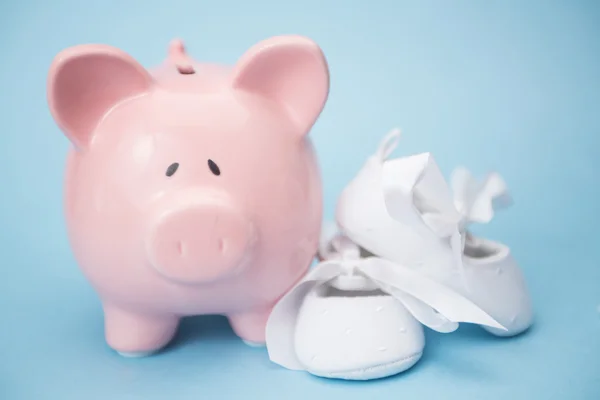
(481, 250)
(330, 291)
(364, 253)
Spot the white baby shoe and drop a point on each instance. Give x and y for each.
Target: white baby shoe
(404, 211)
(360, 318)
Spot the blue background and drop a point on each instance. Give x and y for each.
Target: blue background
(505, 85)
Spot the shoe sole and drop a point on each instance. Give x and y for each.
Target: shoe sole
(375, 372)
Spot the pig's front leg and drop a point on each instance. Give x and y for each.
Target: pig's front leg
(250, 326)
(137, 334)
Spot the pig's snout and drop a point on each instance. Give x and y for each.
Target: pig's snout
(199, 243)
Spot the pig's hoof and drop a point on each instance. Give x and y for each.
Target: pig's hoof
(250, 326)
(253, 344)
(137, 334)
(135, 354)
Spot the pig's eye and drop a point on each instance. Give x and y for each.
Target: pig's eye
(214, 168)
(172, 169)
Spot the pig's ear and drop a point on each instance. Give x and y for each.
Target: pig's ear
(290, 70)
(85, 82)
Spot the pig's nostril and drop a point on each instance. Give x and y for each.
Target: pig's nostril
(180, 248)
(222, 246)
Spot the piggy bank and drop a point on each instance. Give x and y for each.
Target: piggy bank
(191, 188)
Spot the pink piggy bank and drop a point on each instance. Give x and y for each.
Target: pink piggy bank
(192, 189)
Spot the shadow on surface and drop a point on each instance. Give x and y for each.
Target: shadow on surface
(457, 351)
(205, 328)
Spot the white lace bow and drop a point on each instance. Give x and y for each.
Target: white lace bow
(431, 303)
(415, 184)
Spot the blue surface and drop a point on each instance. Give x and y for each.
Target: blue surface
(511, 86)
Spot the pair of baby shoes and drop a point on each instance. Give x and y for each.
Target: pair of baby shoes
(399, 257)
